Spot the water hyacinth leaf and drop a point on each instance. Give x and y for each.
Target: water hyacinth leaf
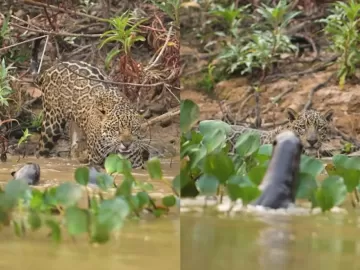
(189, 114)
(307, 186)
(123, 166)
(154, 169)
(19, 228)
(82, 175)
(104, 181)
(125, 187)
(111, 163)
(16, 189)
(37, 199)
(55, 231)
(197, 156)
(77, 220)
(332, 192)
(219, 165)
(101, 233)
(351, 178)
(207, 127)
(257, 173)
(144, 198)
(112, 213)
(34, 220)
(353, 163)
(207, 184)
(68, 194)
(215, 140)
(241, 187)
(311, 165)
(134, 202)
(265, 150)
(340, 161)
(247, 144)
(176, 184)
(145, 186)
(169, 201)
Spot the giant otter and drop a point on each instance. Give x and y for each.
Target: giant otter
(281, 178)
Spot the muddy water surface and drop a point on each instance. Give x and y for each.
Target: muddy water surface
(151, 243)
(270, 242)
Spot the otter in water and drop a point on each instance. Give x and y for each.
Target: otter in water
(30, 173)
(281, 178)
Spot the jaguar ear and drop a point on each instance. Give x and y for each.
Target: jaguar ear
(291, 114)
(328, 115)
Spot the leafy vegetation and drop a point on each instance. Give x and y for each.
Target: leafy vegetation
(27, 208)
(341, 27)
(208, 166)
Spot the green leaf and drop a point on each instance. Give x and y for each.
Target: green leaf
(189, 114)
(55, 230)
(247, 143)
(16, 189)
(144, 198)
(331, 193)
(104, 181)
(82, 175)
(176, 184)
(101, 233)
(215, 140)
(208, 126)
(110, 56)
(241, 187)
(34, 220)
(219, 165)
(307, 186)
(311, 165)
(154, 169)
(77, 220)
(68, 194)
(123, 166)
(111, 163)
(112, 213)
(169, 201)
(125, 188)
(340, 160)
(36, 199)
(257, 173)
(207, 184)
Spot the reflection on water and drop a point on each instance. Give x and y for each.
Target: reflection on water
(270, 242)
(147, 245)
(150, 244)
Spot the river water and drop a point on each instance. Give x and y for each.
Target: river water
(141, 244)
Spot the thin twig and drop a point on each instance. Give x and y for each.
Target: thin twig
(22, 42)
(66, 34)
(42, 55)
(33, 3)
(162, 49)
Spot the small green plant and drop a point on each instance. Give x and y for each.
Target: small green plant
(5, 89)
(208, 82)
(125, 32)
(24, 137)
(31, 209)
(232, 16)
(266, 41)
(171, 8)
(342, 30)
(208, 166)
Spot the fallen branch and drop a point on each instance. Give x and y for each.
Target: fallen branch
(162, 117)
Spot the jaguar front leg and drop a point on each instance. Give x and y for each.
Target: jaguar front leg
(50, 133)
